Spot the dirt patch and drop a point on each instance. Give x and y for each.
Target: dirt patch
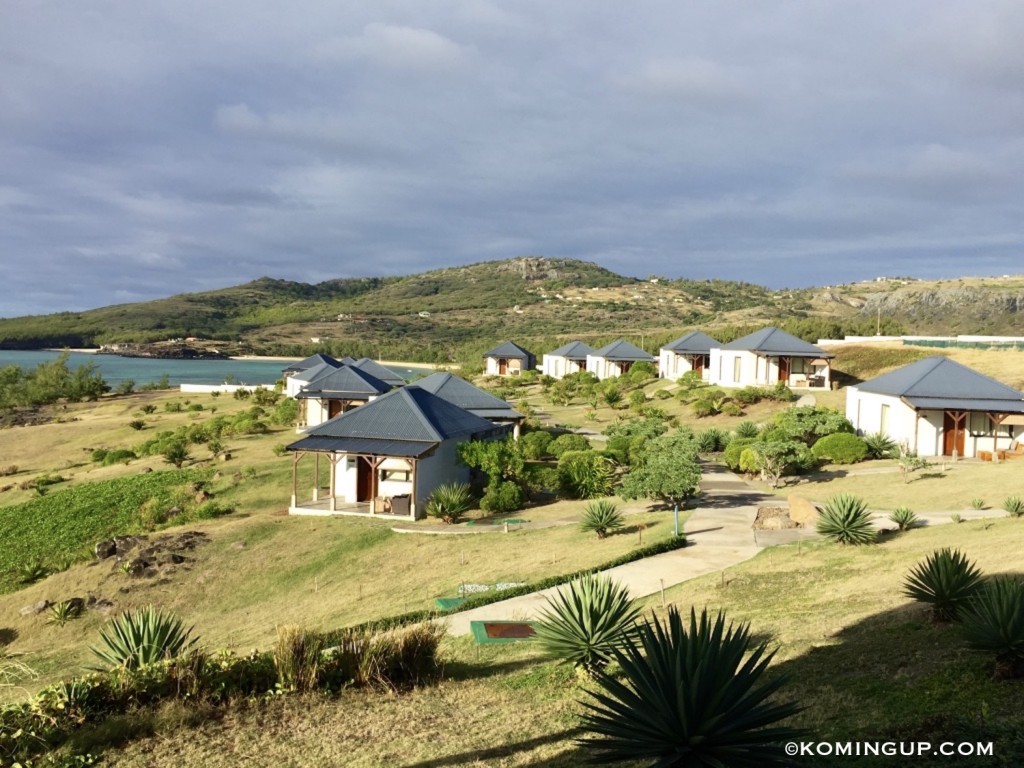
(773, 519)
(508, 631)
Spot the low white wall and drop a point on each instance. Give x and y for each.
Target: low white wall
(229, 388)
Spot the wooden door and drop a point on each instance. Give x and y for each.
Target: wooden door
(502, 366)
(953, 429)
(364, 479)
(784, 370)
(698, 363)
(334, 407)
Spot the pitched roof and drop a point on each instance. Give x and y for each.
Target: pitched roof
(509, 349)
(772, 341)
(346, 381)
(694, 342)
(465, 395)
(374, 368)
(314, 372)
(574, 350)
(938, 382)
(623, 350)
(310, 362)
(406, 414)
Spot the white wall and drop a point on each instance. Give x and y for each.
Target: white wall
(672, 365)
(513, 366)
(559, 367)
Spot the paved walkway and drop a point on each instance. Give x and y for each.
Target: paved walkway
(719, 534)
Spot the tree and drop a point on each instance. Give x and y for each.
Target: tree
(669, 471)
(176, 453)
(498, 459)
(808, 423)
(774, 459)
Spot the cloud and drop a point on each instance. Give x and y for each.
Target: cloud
(395, 47)
(692, 79)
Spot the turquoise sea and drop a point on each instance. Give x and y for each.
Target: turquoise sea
(142, 370)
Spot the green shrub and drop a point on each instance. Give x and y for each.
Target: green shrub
(733, 452)
(98, 455)
(662, 394)
(732, 409)
(137, 638)
(746, 430)
(297, 658)
(195, 407)
(904, 517)
(637, 399)
(749, 395)
(172, 406)
(1014, 505)
(210, 510)
(845, 519)
(585, 475)
(711, 440)
(693, 695)
(881, 446)
(993, 621)
(449, 501)
(536, 443)
(502, 497)
(601, 517)
(946, 581)
(176, 453)
(137, 424)
(120, 456)
(568, 442)
(32, 571)
(542, 479)
(840, 448)
(64, 611)
(585, 621)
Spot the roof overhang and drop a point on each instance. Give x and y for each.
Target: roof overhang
(964, 404)
(328, 395)
(364, 446)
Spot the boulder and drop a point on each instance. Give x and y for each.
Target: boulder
(35, 608)
(104, 549)
(802, 511)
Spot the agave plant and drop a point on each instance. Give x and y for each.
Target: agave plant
(746, 429)
(945, 580)
(1014, 505)
(994, 622)
(601, 517)
(845, 519)
(137, 638)
(449, 501)
(32, 571)
(904, 517)
(689, 696)
(880, 446)
(64, 611)
(586, 621)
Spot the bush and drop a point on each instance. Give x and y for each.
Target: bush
(601, 517)
(808, 423)
(137, 638)
(732, 409)
(904, 517)
(1014, 505)
(749, 395)
(946, 581)
(584, 622)
(881, 446)
(746, 429)
(637, 399)
(99, 454)
(994, 621)
(568, 442)
(536, 444)
(542, 479)
(734, 451)
(845, 520)
(449, 501)
(689, 696)
(502, 497)
(711, 440)
(120, 456)
(137, 424)
(584, 475)
(297, 659)
(840, 448)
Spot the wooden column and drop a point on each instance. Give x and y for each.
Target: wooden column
(412, 494)
(316, 476)
(995, 419)
(374, 481)
(333, 502)
(295, 464)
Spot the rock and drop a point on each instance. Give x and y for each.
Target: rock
(226, 456)
(173, 512)
(802, 512)
(238, 545)
(202, 496)
(146, 470)
(76, 604)
(35, 608)
(773, 519)
(218, 475)
(104, 549)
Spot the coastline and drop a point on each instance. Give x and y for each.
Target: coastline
(282, 359)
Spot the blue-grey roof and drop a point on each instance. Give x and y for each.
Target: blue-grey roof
(940, 383)
(346, 382)
(772, 341)
(409, 413)
(511, 350)
(694, 343)
(364, 446)
(315, 372)
(465, 395)
(623, 350)
(310, 362)
(374, 368)
(575, 350)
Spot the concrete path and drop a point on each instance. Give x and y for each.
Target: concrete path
(719, 534)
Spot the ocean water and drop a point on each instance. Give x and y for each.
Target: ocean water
(143, 370)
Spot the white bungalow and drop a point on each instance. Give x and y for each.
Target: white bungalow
(767, 357)
(691, 352)
(473, 399)
(301, 373)
(508, 359)
(615, 359)
(567, 359)
(335, 392)
(387, 456)
(936, 407)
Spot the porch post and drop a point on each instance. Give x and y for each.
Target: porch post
(316, 476)
(333, 502)
(995, 420)
(516, 429)
(295, 463)
(412, 496)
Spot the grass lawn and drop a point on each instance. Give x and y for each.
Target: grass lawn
(866, 664)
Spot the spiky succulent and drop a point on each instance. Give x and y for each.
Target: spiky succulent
(904, 517)
(994, 621)
(946, 580)
(138, 638)
(845, 519)
(602, 517)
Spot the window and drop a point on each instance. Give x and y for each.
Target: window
(798, 365)
(883, 420)
(737, 368)
(396, 475)
(979, 424)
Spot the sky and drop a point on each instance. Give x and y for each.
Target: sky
(154, 148)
